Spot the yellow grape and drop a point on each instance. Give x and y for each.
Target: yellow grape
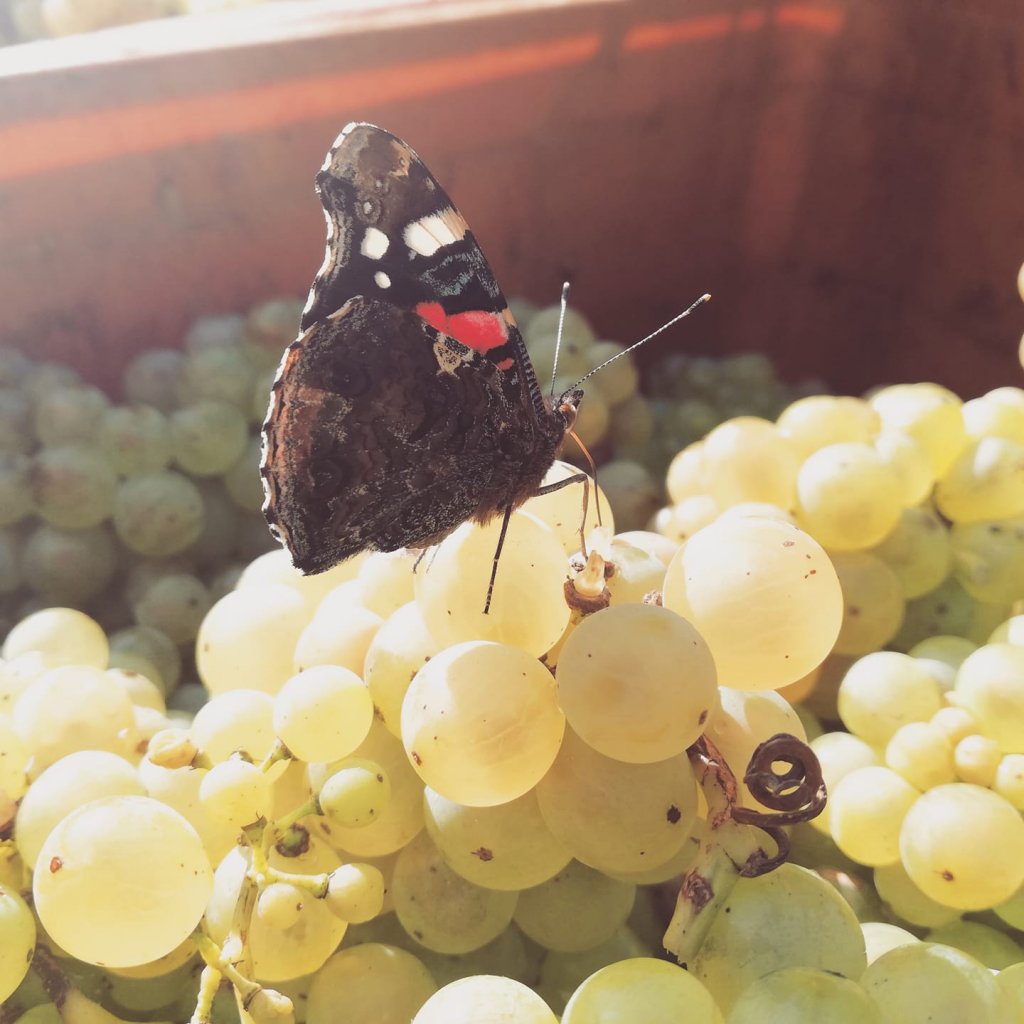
(819, 420)
(235, 721)
(985, 482)
(485, 999)
(907, 901)
(804, 995)
(976, 759)
(909, 460)
(63, 636)
(687, 474)
(922, 754)
(839, 753)
(17, 941)
(988, 559)
(990, 686)
(880, 937)
(562, 510)
(930, 414)
(867, 809)
(337, 636)
(873, 604)
(917, 550)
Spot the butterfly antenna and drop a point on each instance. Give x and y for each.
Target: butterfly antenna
(558, 336)
(643, 341)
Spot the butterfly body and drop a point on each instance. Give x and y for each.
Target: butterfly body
(408, 404)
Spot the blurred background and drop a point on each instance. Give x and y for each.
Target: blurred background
(843, 175)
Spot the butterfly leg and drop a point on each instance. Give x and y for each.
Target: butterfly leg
(497, 554)
(576, 478)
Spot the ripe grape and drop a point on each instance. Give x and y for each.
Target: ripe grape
(922, 754)
(136, 439)
(73, 486)
(158, 514)
(68, 566)
(69, 415)
(880, 937)
(804, 995)
(990, 685)
(16, 500)
(868, 807)
(236, 792)
(907, 901)
(485, 999)
(356, 793)
(995, 949)
(988, 559)
(749, 459)
(237, 721)
(985, 482)
(917, 550)
(873, 605)
(63, 636)
(928, 413)
(152, 378)
(337, 635)
(976, 759)
(385, 580)
(17, 940)
(820, 420)
(355, 892)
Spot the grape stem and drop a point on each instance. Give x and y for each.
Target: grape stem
(734, 847)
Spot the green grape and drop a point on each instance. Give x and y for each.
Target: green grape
(1011, 982)
(804, 995)
(963, 846)
(248, 636)
(95, 895)
(577, 334)
(242, 479)
(369, 984)
(631, 426)
(156, 650)
(237, 721)
(868, 807)
(619, 381)
(68, 566)
(355, 892)
(1012, 911)
(614, 816)
(508, 953)
(158, 514)
(562, 510)
(821, 420)
(637, 683)
(748, 459)
(69, 415)
(924, 981)
(848, 498)
(917, 551)
(485, 999)
(990, 685)
(482, 745)
(17, 941)
(946, 610)
(16, 500)
(504, 847)
(942, 656)
(988, 559)
(236, 791)
(922, 754)
(976, 759)
(789, 917)
(356, 794)
(928, 413)
(73, 486)
(136, 439)
(14, 762)
(907, 901)
(873, 604)
(219, 533)
(273, 324)
(339, 634)
(64, 636)
(771, 576)
(42, 378)
(16, 436)
(68, 783)
(152, 378)
(208, 437)
(175, 604)
(880, 937)
(883, 691)
(632, 492)
(985, 482)
(442, 910)
(279, 905)
(220, 373)
(1009, 780)
(909, 460)
(995, 949)
(681, 521)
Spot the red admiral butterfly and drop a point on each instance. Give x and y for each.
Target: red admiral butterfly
(408, 403)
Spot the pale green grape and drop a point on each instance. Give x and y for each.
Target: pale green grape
(63, 636)
(158, 514)
(356, 793)
(772, 577)
(942, 656)
(635, 572)
(481, 722)
(69, 415)
(873, 604)
(985, 482)
(678, 864)
(946, 610)
(1011, 982)
(990, 685)
(687, 474)
(504, 847)
(749, 459)
(221, 372)
(562, 510)
(214, 332)
(976, 759)
(883, 691)
(236, 792)
(271, 325)
(68, 566)
(591, 424)
(614, 816)
(917, 551)
(17, 940)
(927, 412)
(907, 901)
(386, 580)
(485, 999)
(355, 892)
(207, 437)
(16, 500)
(242, 478)
(963, 846)
(999, 413)
(1012, 911)
(14, 762)
(637, 683)
(681, 521)
(399, 649)
(276, 567)
(820, 420)
(1009, 780)
(73, 486)
(280, 904)
(175, 604)
(69, 783)
(442, 910)
(619, 380)
(804, 995)
(160, 657)
(1009, 632)
(16, 437)
(632, 492)
(995, 949)
(924, 981)
(528, 608)
(279, 954)
(880, 937)
(848, 498)
(988, 559)
(576, 909)
(648, 541)
(868, 808)
(510, 953)
(789, 917)
(631, 426)
(239, 721)
(369, 984)
(911, 463)
(248, 637)
(921, 753)
(136, 439)
(337, 636)
(152, 378)
(94, 890)
(323, 713)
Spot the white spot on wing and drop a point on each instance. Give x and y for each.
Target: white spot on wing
(427, 235)
(382, 279)
(374, 244)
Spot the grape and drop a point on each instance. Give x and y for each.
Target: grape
(504, 847)
(942, 656)
(909, 460)
(614, 816)
(748, 459)
(248, 636)
(995, 949)
(773, 578)
(16, 500)
(214, 332)
(440, 909)
(482, 744)
(635, 572)
(136, 439)
(637, 683)
(687, 474)
(323, 713)
(918, 551)
(922, 754)
(236, 792)
(159, 657)
(990, 685)
(804, 995)
(868, 808)
(356, 793)
(95, 891)
(369, 984)
(242, 478)
(207, 437)
(930, 414)
(562, 510)
(152, 378)
(787, 918)
(337, 636)
(985, 482)
(398, 650)
(651, 543)
(158, 514)
(923, 981)
(235, 721)
(594, 415)
(988, 559)
(66, 784)
(681, 521)
(276, 567)
(907, 901)
(821, 420)
(279, 954)
(577, 334)
(14, 758)
(68, 566)
(15, 420)
(620, 379)
(883, 691)
(976, 759)
(73, 486)
(17, 940)
(1011, 982)
(485, 999)
(386, 580)
(280, 904)
(355, 892)
(631, 425)
(220, 372)
(998, 413)
(175, 604)
(64, 636)
(143, 692)
(69, 415)
(963, 846)
(632, 492)
(873, 604)
(880, 937)
(948, 609)
(1009, 780)
(848, 499)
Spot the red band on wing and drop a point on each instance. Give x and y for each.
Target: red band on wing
(476, 329)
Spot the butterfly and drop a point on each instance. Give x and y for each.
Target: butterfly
(408, 404)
